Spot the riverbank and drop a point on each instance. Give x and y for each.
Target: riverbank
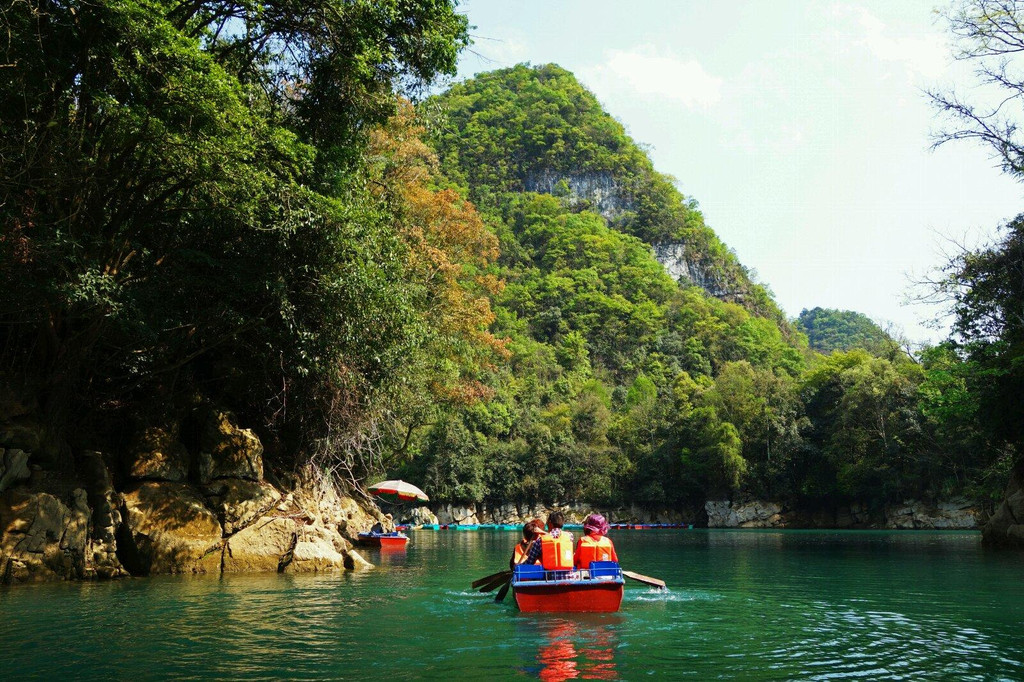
(165, 508)
(953, 514)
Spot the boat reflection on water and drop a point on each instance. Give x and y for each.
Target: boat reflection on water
(568, 648)
(386, 556)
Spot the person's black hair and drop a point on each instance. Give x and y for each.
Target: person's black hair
(555, 520)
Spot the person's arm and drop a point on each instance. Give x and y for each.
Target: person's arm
(534, 553)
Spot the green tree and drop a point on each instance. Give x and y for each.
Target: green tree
(183, 205)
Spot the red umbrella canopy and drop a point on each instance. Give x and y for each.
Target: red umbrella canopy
(398, 491)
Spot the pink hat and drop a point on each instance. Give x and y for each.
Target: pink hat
(596, 524)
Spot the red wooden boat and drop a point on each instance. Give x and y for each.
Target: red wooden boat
(597, 590)
(383, 540)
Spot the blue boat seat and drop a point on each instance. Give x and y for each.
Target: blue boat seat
(604, 570)
(528, 572)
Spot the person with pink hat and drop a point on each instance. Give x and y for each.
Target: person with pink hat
(594, 545)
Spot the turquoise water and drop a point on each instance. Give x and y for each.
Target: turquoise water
(741, 604)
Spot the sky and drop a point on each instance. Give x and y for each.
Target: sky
(801, 128)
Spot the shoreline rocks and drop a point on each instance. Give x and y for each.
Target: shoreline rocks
(172, 513)
(1005, 528)
(954, 514)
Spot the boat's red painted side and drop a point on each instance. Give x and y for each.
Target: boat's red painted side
(393, 542)
(591, 596)
(383, 541)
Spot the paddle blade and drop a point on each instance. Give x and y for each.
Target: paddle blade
(653, 582)
(496, 583)
(483, 581)
(500, 597)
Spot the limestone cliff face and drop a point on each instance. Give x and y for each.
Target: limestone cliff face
(954, 514)
(602, 193)
(1006, 527)
(173, 511)
(681, 265)
(599, 191)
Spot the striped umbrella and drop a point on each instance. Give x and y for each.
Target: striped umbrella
(398, 491)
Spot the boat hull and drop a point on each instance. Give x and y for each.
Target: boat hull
(383, 541)
(569, 597)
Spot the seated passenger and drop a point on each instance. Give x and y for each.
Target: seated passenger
(553, 549)
(531, 531)
(594, 546)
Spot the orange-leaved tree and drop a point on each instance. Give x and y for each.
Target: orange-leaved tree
(449, 258)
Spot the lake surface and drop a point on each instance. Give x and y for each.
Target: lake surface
(741, 604)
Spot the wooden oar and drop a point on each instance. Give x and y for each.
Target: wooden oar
(477, 583)
(653, 582)
(502, 592)
(497, 582)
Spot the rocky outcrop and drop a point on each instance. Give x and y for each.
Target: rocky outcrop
(13, 467)
(238, 502)
(59, 526)
(101, 560)
(518, 514)
(41, 537)
(265, 546)
(598, 191)
(464, 516)
(227, 451)
(752, 514)
(948, 515)
(168, 529)
(1005, 528)
(355, 562)
(317, 549)
(421, 516)
(158, 456)
(680, 264)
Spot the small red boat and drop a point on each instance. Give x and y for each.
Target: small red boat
(383, 540)
(597, 590)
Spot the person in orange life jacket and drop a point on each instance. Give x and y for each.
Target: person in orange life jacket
(594, 546)
(531, 531)
(555, 542)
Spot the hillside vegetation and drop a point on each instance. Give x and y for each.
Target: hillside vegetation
(624, 386)
(213, 206)
(829, 330)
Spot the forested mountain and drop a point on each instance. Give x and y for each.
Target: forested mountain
(829, 330)
(539, 130)
(467, 293)
(625, 386)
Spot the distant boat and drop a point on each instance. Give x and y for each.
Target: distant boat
(392, 540)
(597, 590)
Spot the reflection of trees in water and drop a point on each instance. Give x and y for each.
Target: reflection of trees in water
(574, 649)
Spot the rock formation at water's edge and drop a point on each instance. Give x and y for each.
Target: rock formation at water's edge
(162, 508)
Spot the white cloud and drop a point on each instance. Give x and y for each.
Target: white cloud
(643, 71)
(487, 53)
(924, 54)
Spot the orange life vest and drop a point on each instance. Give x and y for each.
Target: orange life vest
(556, 553)
(594, 548)
(520, 553)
